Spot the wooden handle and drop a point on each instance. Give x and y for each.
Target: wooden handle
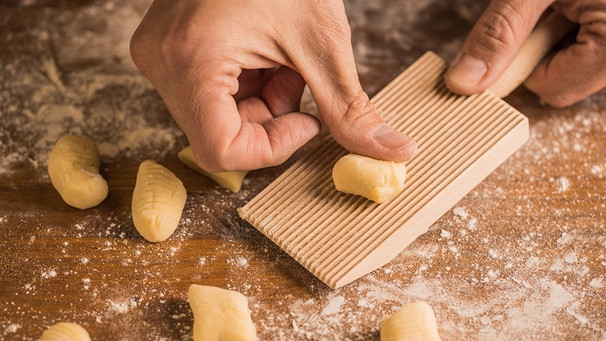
(548, 32)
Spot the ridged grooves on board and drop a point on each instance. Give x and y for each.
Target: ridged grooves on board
(341, 237)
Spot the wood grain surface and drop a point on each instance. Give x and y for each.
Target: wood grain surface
(520, 257)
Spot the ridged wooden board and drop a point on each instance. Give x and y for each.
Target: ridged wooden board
(341, 237)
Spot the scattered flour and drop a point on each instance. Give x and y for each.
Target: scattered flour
(12, 328)
(334, 305)
(239, 261)
(50, 273)
(122, 307)
(460, 212)
(563, 184)
(597, 283)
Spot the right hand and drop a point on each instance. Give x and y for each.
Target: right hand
(232, 73)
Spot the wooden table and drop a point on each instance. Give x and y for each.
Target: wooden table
(520, 257)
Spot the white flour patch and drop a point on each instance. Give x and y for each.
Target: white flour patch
(563, 184)
(334, 305)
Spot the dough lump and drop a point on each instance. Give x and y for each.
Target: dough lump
(373, 179)
(230, 180)
(220, 314)
(65, 331)
(73, 167)
(415, 321)
(158, 201)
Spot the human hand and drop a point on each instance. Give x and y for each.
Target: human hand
(232, 74)
(563, 78)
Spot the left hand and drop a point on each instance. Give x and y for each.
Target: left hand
(562, 79)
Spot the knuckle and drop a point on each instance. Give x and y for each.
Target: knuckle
(357, 121)
(498, 27)
(360, 111)
(593, 36)
(338, 32)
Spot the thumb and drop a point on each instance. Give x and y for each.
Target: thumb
(354, 122)
(492, 44)
(345, 109)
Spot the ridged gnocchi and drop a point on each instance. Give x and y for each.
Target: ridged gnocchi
(158, 201)
(65, 331)
(220, 314)
(73, 167)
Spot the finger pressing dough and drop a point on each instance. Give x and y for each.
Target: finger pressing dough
(73, 167)
(158, 201)
(413, 322)
(65, 331)
(373, 179)
(220, 314)
(230, 180)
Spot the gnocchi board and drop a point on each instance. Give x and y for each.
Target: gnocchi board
(461, 139)
(340, 237)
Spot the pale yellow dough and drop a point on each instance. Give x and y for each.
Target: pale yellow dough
(73, 167)
(413, 322)
(220, 314)
(65, 331)
(158, 201)
(373, 179)
(230, 180)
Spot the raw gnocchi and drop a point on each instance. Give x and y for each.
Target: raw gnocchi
(73, 167)
(65, 331)
(230, 180)
(220, 314)
(413, 322)
(373, 179)
(158, 201)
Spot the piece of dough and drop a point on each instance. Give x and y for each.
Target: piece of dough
(73, 167)
(220, 314)
(158, 201)
(413, 322)
(230, 180)
(373, 179)
(65, 331)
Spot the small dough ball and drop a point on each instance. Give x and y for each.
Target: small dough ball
(73, 167)
(413, 322)
(230, 180)
(373, 179)
(65, 331)
(220, 314)
(158, 201)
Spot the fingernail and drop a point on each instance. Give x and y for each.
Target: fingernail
(467, 71)
(390, 138)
